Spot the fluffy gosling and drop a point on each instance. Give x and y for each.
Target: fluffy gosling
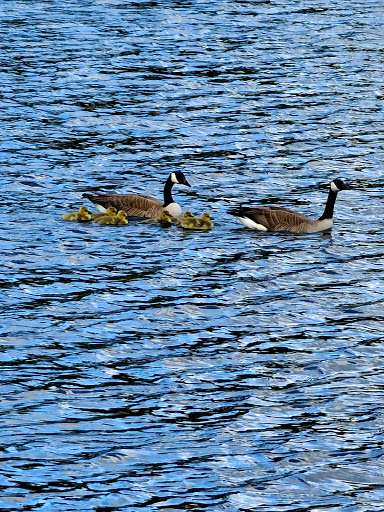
(83, 215)
(117, 220)
(204, 222)
(165, 219)
(186, 215)
(110, 211)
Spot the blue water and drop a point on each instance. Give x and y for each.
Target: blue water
(150, 368)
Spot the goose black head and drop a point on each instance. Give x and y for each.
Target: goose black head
(338, 184)
(178, 177)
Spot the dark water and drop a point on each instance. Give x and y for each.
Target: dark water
(145, 368)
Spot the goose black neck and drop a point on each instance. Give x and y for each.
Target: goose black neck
(329, 207)
(168, 199)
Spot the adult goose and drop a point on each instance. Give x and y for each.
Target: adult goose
(139, 205)
(274, 218)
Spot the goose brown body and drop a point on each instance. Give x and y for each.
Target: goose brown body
(140, 205)
(135, 205)
(275, 218)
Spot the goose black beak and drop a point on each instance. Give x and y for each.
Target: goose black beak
(185, 182)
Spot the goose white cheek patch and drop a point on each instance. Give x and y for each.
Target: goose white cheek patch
(334, 188)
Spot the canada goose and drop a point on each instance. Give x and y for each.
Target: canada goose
(118, 220)
(110, 211)
(274, 218)
(139, 205)
(191, 222)
(165, 219)
(83, 215)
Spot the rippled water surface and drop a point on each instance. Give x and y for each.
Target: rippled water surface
(149, 368)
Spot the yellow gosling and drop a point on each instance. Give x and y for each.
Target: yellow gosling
(186, 215)
(83, 215)
(165, 219)
(188, 222)
(117, 220)
(204, 222)
(110, 211)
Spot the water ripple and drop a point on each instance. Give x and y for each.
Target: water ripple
(157, 369)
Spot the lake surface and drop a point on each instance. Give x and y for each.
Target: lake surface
(157, 369)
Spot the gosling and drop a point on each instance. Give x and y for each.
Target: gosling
(83, 215)
(110, 211)
(204, 222)
(165, 219)
(186, 215)
(117, 220)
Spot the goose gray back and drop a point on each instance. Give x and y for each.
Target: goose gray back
(139, 205)
(275, 218)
